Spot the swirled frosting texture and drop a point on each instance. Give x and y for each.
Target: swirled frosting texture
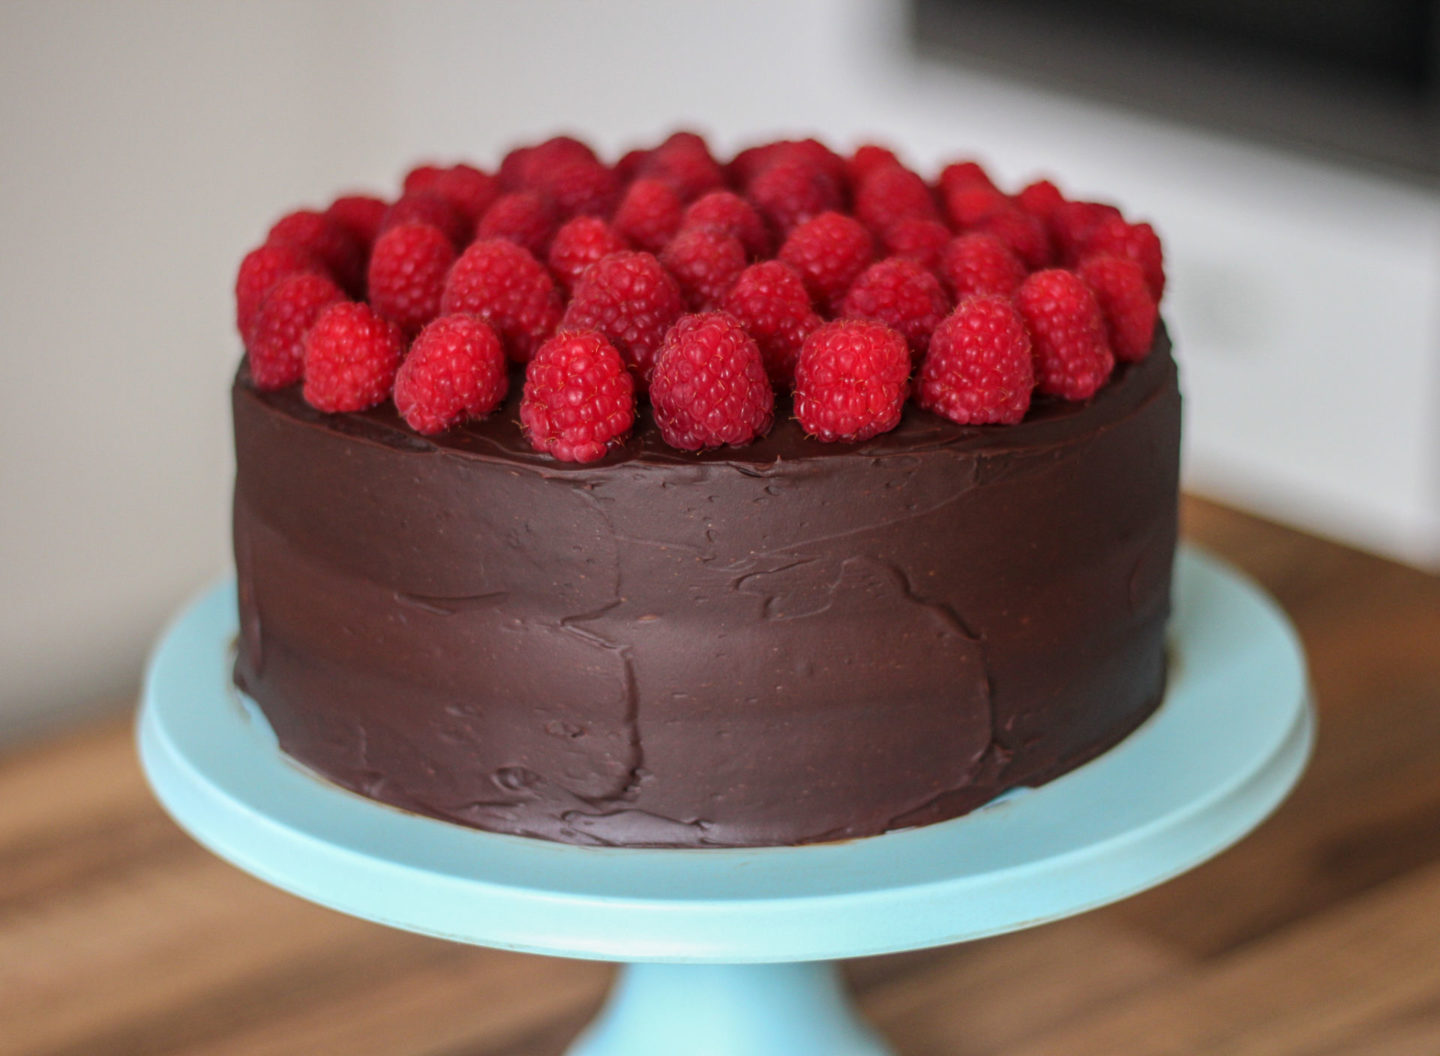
(782, 643)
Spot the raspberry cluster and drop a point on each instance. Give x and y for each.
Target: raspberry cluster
(706, 286)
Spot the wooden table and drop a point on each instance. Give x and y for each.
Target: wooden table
(1319, 935)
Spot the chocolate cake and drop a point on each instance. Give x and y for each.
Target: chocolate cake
(776, 642)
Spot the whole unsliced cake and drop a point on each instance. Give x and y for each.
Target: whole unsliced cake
(678, 503)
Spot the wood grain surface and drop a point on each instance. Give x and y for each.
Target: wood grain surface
(1317, 936)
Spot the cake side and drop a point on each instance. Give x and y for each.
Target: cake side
(781, 643)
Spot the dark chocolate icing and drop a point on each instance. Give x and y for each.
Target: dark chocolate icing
(781, 643)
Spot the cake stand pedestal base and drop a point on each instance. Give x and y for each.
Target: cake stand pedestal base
(728, 951)
(795, 1009)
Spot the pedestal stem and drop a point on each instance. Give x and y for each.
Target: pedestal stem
(728, 1010)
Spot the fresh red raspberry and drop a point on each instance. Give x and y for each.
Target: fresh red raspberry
(427, 207)
(728, 212)
(578, 244)
(407, 274)
(525, 166)
(1129, 309)
(749, 163)
(1139, 242)
(260, 272)
(579, 188)
(968, 204)
(276, 348)
(980, 369)
(891, 193)
(467, 188)
(351, 355)
(770, 301)
(1040, 198)
(506, 286)
(960, 174)
(980, 264)
(684, 162)
(866, 159)
(631, 299)
(579, 398)
(524, 217)
(851, 381)
(709, 388)
(649, 214)
(705, 262)
(1067, 334)
(421, 178)
(455, 371)
(360, 214)
(325, 240)
(1026, 235)
(1071, 224)
(922, 241)
(630, 164)
(904, 296)
(790, 192)
(829, 252)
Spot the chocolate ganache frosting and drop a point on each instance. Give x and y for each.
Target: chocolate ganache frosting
(776, 644)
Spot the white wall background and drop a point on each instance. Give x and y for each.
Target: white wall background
(145, 146)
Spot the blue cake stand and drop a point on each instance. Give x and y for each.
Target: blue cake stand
(729, 952)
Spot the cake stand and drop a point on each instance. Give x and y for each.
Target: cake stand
(730, 952)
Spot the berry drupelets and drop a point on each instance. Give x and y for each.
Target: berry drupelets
(783, 247)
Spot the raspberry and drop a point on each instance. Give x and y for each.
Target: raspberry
(709, 387)
(850, 381)
(891, 193)
(426, 207)
(630, 299)
(904, 296)
(525, 166)
(866, 159)
(980, 368)
(524, 217)
(421, 178)
(1071, 224)
(276, 348)
(829, 252)
(732, 214)
(1025, 234)
(579, 187)
(454, 371)
(960, 174)
(630, 164)
(466, 188)
(770, 301)
(578, 244)
(579, 398)
(981, 264)
(360, 214)
(968, 204)
(508, 288)
(1067, 334)
(260, 272)
(790, 192)
(1138, 242)
(407, 274)
(922, 241)
(685, 163)
(325, 240)
(705, 263)
(649, 214)
(1040, 198)
(1129, 309)
(750, 163)
(351, 355)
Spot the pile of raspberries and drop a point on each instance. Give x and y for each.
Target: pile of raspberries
(851, 283)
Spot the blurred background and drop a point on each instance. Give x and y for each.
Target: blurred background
(1287, 153)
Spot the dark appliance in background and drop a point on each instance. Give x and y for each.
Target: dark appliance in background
(1355, 81)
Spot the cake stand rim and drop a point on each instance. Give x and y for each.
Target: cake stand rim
(379, 863)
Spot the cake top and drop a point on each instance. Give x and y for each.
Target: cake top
(852, 286)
